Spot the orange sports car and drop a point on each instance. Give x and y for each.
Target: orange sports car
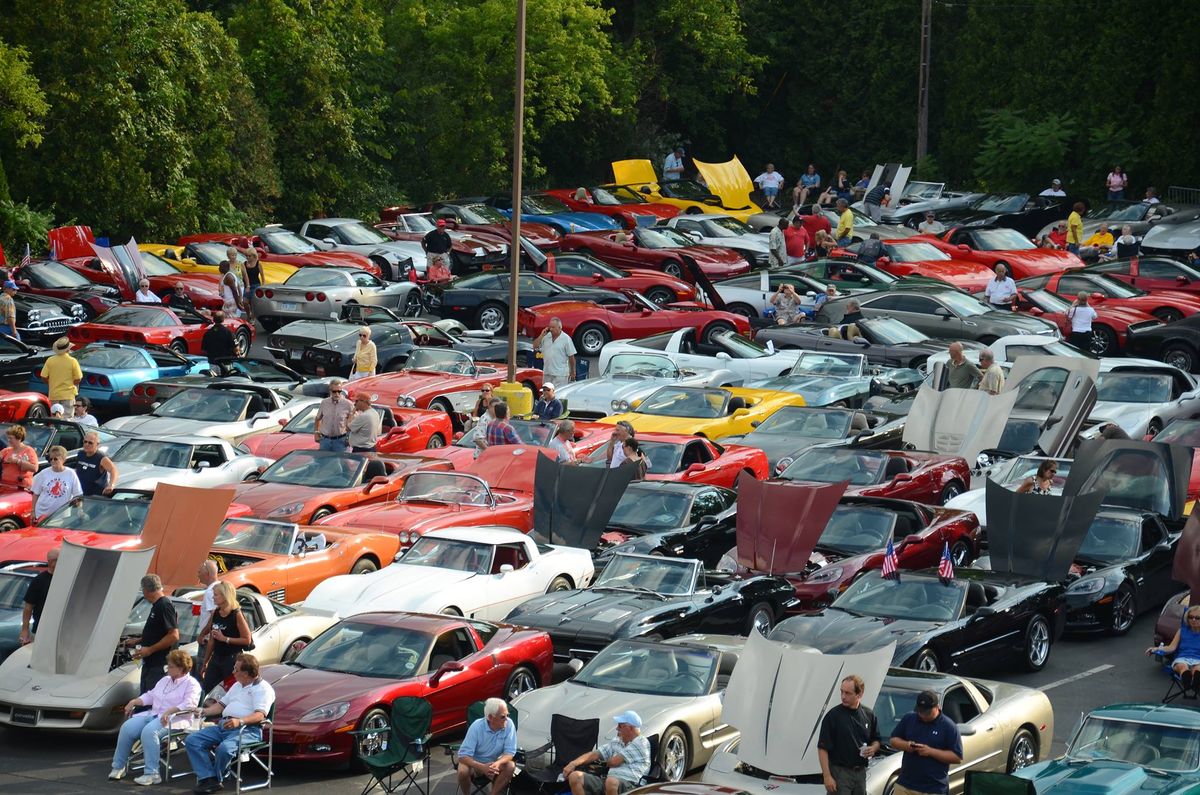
(307, 485)
(404, 431)
(285, 561)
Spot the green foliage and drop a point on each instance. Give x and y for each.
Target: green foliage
(21, 225)
(1016, 152)
(22, 103)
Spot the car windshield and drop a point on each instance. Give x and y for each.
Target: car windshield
(641, 365)
(889, 331)
(418, 222)
(209, 405)
(543, 205)
(1111, 539)
(645, 509)
(915, 252)
(450, 553)
(103, 357)
(1001, 240)
(1185, 432)
(317, 469)
(254, 535)
(12, 590)
(1137, 742)
(284, 242)
(682, 401)
(660, 237)
(854, 529)
(533, 432)
(860, 467)
(134, 317)
(439, 361)
(361, 648)
(450, 488)
(685, 189)
(962, 304)
(211, 253)
(724, 226)
(188, 620)
(359, 234)
(807, 423)
(1015, 471)
(100, 515)
(665, 576)
(155, 452)
(1047, 302)
(1133, 479)
(1001, 203)
(615, 195)
(668, 670)
(828, 364)
(482, 214)
(737, 346)
(1121, 387)
(1049, 348)
(155, 265)
(317, 277)
(53, 274)
(913, 598)
(1118, 211)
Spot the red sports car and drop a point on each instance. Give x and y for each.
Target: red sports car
(538, 433)
(1166, 305)
(692, 459)
(992, 246)
(150, 324)
(469, 250)
(58, 281)
(274, 244)
(22, 405)
(1152, 273)
(618, 201)
(928, 478)
(593, 326)
(479, 217)
(1111, 326)
(404, 431)
(921, 258)
(348, 677)
(659, 248)
(575, 269)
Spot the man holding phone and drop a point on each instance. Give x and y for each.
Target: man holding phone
(930, 743)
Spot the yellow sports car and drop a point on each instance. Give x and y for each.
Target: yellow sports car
(686, 194)
(714, 412)
(732, 183)
(203, 258)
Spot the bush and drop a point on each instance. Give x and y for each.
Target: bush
(21, 225)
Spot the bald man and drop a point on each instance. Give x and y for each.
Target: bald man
(962, 373)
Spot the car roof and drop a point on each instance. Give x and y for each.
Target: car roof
(916, 681)
(336, 221)
(669, 485)
(179, 439)
(482, 534)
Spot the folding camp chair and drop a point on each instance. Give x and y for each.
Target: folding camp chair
(1175, 687)
(252, 751)
(172, 742)
(569, 739)
(480, 784)
(400, 749)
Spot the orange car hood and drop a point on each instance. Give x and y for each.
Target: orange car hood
(181, 525)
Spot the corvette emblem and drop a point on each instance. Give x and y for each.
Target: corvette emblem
(564, 619)
(37, 687)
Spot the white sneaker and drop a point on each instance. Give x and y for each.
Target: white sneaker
(147, 780)
(116, 774)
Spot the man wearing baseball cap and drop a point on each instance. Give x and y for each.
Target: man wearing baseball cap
(548, 407)
(8, 310)
(437, 245)
(627, 758)
(1055, 189)
(931, 744)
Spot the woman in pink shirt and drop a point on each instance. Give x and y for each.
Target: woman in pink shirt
(1116, 183)
(171, 702)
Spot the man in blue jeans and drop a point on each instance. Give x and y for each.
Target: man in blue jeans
(332, 426)
(247, 704)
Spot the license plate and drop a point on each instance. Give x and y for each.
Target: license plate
(295, 354)
(24, 716)
(287, 306)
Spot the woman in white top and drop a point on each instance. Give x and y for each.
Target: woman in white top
(144, 295)
(231, 291)
(1081, 316)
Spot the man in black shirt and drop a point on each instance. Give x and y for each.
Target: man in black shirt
(159, 635)
(217, 343)
(35, 598)
(875, 199)
(437, 245)
(849, 738)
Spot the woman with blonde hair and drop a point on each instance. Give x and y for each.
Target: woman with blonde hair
(366, 356)
(1186, 648)
(170, 701)
(228, 636)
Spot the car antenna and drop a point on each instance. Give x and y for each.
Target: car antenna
(774, 546)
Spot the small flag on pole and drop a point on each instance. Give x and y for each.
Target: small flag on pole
(946, 566)
(891, 565)
(25, 260)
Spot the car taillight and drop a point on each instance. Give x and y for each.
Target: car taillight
(259, 293)
(320, 296)
(270, 293)
(309, 296)
(102, 380)
(150, 391)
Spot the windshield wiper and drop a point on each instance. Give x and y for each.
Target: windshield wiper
(643, 589)
(628, 527)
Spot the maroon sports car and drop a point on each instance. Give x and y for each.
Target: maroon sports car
(929, 478)
(659, 248)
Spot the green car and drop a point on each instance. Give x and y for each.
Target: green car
(1127, 748)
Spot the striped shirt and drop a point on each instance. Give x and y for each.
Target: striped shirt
(636, 755)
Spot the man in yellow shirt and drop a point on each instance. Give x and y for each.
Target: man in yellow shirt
(845, 227)
(1075, 228)
(61, 373)
(1099, 244)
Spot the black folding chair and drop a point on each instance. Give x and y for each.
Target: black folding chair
(399, 750)
(569, 739)
(479, 783)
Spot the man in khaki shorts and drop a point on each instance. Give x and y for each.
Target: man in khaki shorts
(931, 744)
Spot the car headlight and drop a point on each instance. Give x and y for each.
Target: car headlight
(1087, 585)
(406, 401)
(34, 314)
(288, 510)
(326, 712)
(827, 574)
(620, 405)
(727, 564)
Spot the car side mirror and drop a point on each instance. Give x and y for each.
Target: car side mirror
(912, 539)
(1181, 279)
(251, 477)
(597, 278)
(575, 664)
(942, 312)
(633, 404)
(723, 355)
(329, 241)
(982, 612)
(1098, 298)
(262, 415)
(694, 469)
(755, 423)
(861, 341)
(448, 667)
(203, 465)
(505, 568)
(378, 480)
(740, 412)
(903, 477)
(883, 261)
(863, 435)
(966, 730)
(964, 248)
(646, 312)
(707, 520)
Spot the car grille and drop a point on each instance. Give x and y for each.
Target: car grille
(277, 594)
(587, 415)
(58, 323)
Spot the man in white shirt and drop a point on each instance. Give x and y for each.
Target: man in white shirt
(81, 416)
(673, 166)
(558, 353)
(1151, 196)
(1001, 292)
(1055, 189)
(931, 225)
(769, 181)
(144, 294)
(207, 575)
(247, 704)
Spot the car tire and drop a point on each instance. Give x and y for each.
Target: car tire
(36, 412)
(179, 346)
(660, 295)
(673, 267)
(412, 304)
(760, 617)
(9, 523)
(441, 404)
(715, 328)
(1022, 751)
(1124, 610)
(521, 680)
(386, 272)
(435, 442)
(364, 566)
(1167, 314)
(1181, 356)
(890, 787)
(590, 338)
(492, 316)
(1154, 426)
(370, 745)
(1104, 341)
(321, 513)
(559, 583)
(927, 660)
(292, 651)
(674, 755)
(950, 491)
(961, 553)
(241, 344)
(1037, 643)
(745, 310)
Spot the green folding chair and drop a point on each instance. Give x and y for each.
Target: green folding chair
(395, 754)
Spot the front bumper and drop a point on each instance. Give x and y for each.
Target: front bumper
(102, 719)
(317, 742)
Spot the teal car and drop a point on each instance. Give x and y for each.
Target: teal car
(112, 369)
(1126, 748)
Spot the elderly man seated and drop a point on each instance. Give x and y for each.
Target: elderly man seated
(247, 704)
(627, 758)
(488, 749)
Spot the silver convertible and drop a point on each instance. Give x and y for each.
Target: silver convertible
(630, 376)
(320, 293)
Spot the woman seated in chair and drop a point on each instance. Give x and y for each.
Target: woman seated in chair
(170, 705)
(1186, 648)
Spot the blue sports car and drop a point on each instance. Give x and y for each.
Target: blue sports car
(543, 209)
(112, 369)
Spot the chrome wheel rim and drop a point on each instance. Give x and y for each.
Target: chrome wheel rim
(1022, 753)
(491, 319)
(522, 682)
(243, 345)
(593, 341)
(674, 758)
(371, 744)
(949, 493)
(659, 297)
(1179, 359)
(762, 621)
(434, 442)
(559, 584)
(1099, 344)
(959, 553)
(672, 269)
(1039, 643)
(1123, 611)
(412, 304)
(927, 662)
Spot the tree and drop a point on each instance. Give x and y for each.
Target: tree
(22, 104)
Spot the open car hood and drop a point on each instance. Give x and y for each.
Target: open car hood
(731, 182)
(510, 467)
(1037, 535)
(181, 525)
(1186, 568)
(779, 522)
(572, 504)
(1145, 476)
(779, 692)
(86, 609)
(957, 421)
(633, 172)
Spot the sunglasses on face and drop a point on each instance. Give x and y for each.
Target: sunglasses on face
(336, 392)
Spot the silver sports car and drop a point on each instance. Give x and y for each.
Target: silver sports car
(321, 293)
(630, 376)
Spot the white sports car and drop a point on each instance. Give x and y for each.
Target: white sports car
(727, 351)
(630, 376)
(1142, 397)
(202, 461)
(724, 231)
(478, 572)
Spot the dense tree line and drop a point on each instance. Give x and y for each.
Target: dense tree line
(163, 117)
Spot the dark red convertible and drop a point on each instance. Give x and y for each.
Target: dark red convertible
(659, 248)
(576, 269)
(929, 478)
(1166, 305)
(150, 324)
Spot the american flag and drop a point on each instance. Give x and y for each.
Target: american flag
(25, 260)
(946, 566)
(891, 565)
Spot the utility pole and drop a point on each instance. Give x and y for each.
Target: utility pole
(923, 81)
(515, 245)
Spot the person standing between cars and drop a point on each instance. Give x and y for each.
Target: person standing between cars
(634, 457)
(1075, 228)
(18, 461)
(845, 228)
(171, 703)
(236, 267)
(8, 310)
(366, 356)
(218, 344)
(231, 291)
(1055, 189)
(80, 414)
(931, 225)
(437, 245)
(558, 353)
(1001, 292)
(1115, 184)
(144, 294)
(246, 704)
(499, 431)
(548, 407)
(253, 270)
(876, 199)
(207, 576)
(769, 182)
(796, 243)
(816, 222)
(614, 449)
(54, 486)
(96, 471)
(488, 749)
(159, 635)
(562, 443)
(333, 419)
(228, 635)
(849, 738)
(931, 744)
(777, 244)
(673, 165)
(627, 758)
(1081, 315)
(35, 598)
(961, 373)
(366, 426)
(992, 381)
(871, 250)
(62, 373)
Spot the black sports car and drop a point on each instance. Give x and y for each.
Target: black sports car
(41, 319)
(643, 596)
(660, 517)
(1177, 344)
(254, 370)
(885, 341)
(17, 361)
(1021, 211)
(793, 429)
(481, 300)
